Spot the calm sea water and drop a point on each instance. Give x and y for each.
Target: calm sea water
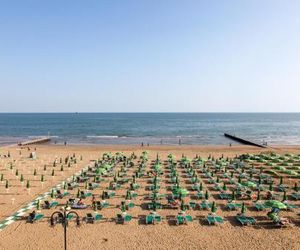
(153, 128)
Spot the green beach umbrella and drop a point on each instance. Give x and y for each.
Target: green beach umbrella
(275, 204)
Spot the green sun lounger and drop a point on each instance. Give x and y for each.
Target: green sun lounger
(245, 220)
(37, 217)
(212, 181)
(213, 220)
(92, 219)
(233, 206)
(154, 205)
(225, 196)
(193, 204)
(104, 204)
(205, 206)
(199, 195)
(134, 195)
(183, 219)
(111, 194)
(151, 219)
(260, 207)
(291, 206)
(217, 187)
(70, 216)
(195, 188)
(127, 218)
(53, 204)
(136, 186)
(296, 196)
(130, 205)
(121, 218)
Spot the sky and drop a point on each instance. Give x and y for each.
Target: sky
(149, 56)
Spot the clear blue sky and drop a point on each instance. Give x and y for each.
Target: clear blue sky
(150, 55)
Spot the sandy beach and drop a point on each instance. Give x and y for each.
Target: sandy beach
(134, 235)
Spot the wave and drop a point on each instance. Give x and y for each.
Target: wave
(103, 136)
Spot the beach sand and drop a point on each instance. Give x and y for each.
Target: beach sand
(134, 235)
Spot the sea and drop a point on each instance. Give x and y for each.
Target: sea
(152, 128)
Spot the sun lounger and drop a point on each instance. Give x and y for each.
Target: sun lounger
(154, 205)
(233, 206)
(261, 207)
(70, 217)
(296, 196)
(291, 206)
(195, 188)
(183, 219)
(199, 195)
(61, 195)
(213, 220)
(93, 218)
(212, 181)
(130, 205)
(135, 186)
(49, 205)
(225, 196)
(84, 195)
(34, 218)
(205, 205)
(245, 220)
(193, 204)
(152, 218)
(122, 218)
